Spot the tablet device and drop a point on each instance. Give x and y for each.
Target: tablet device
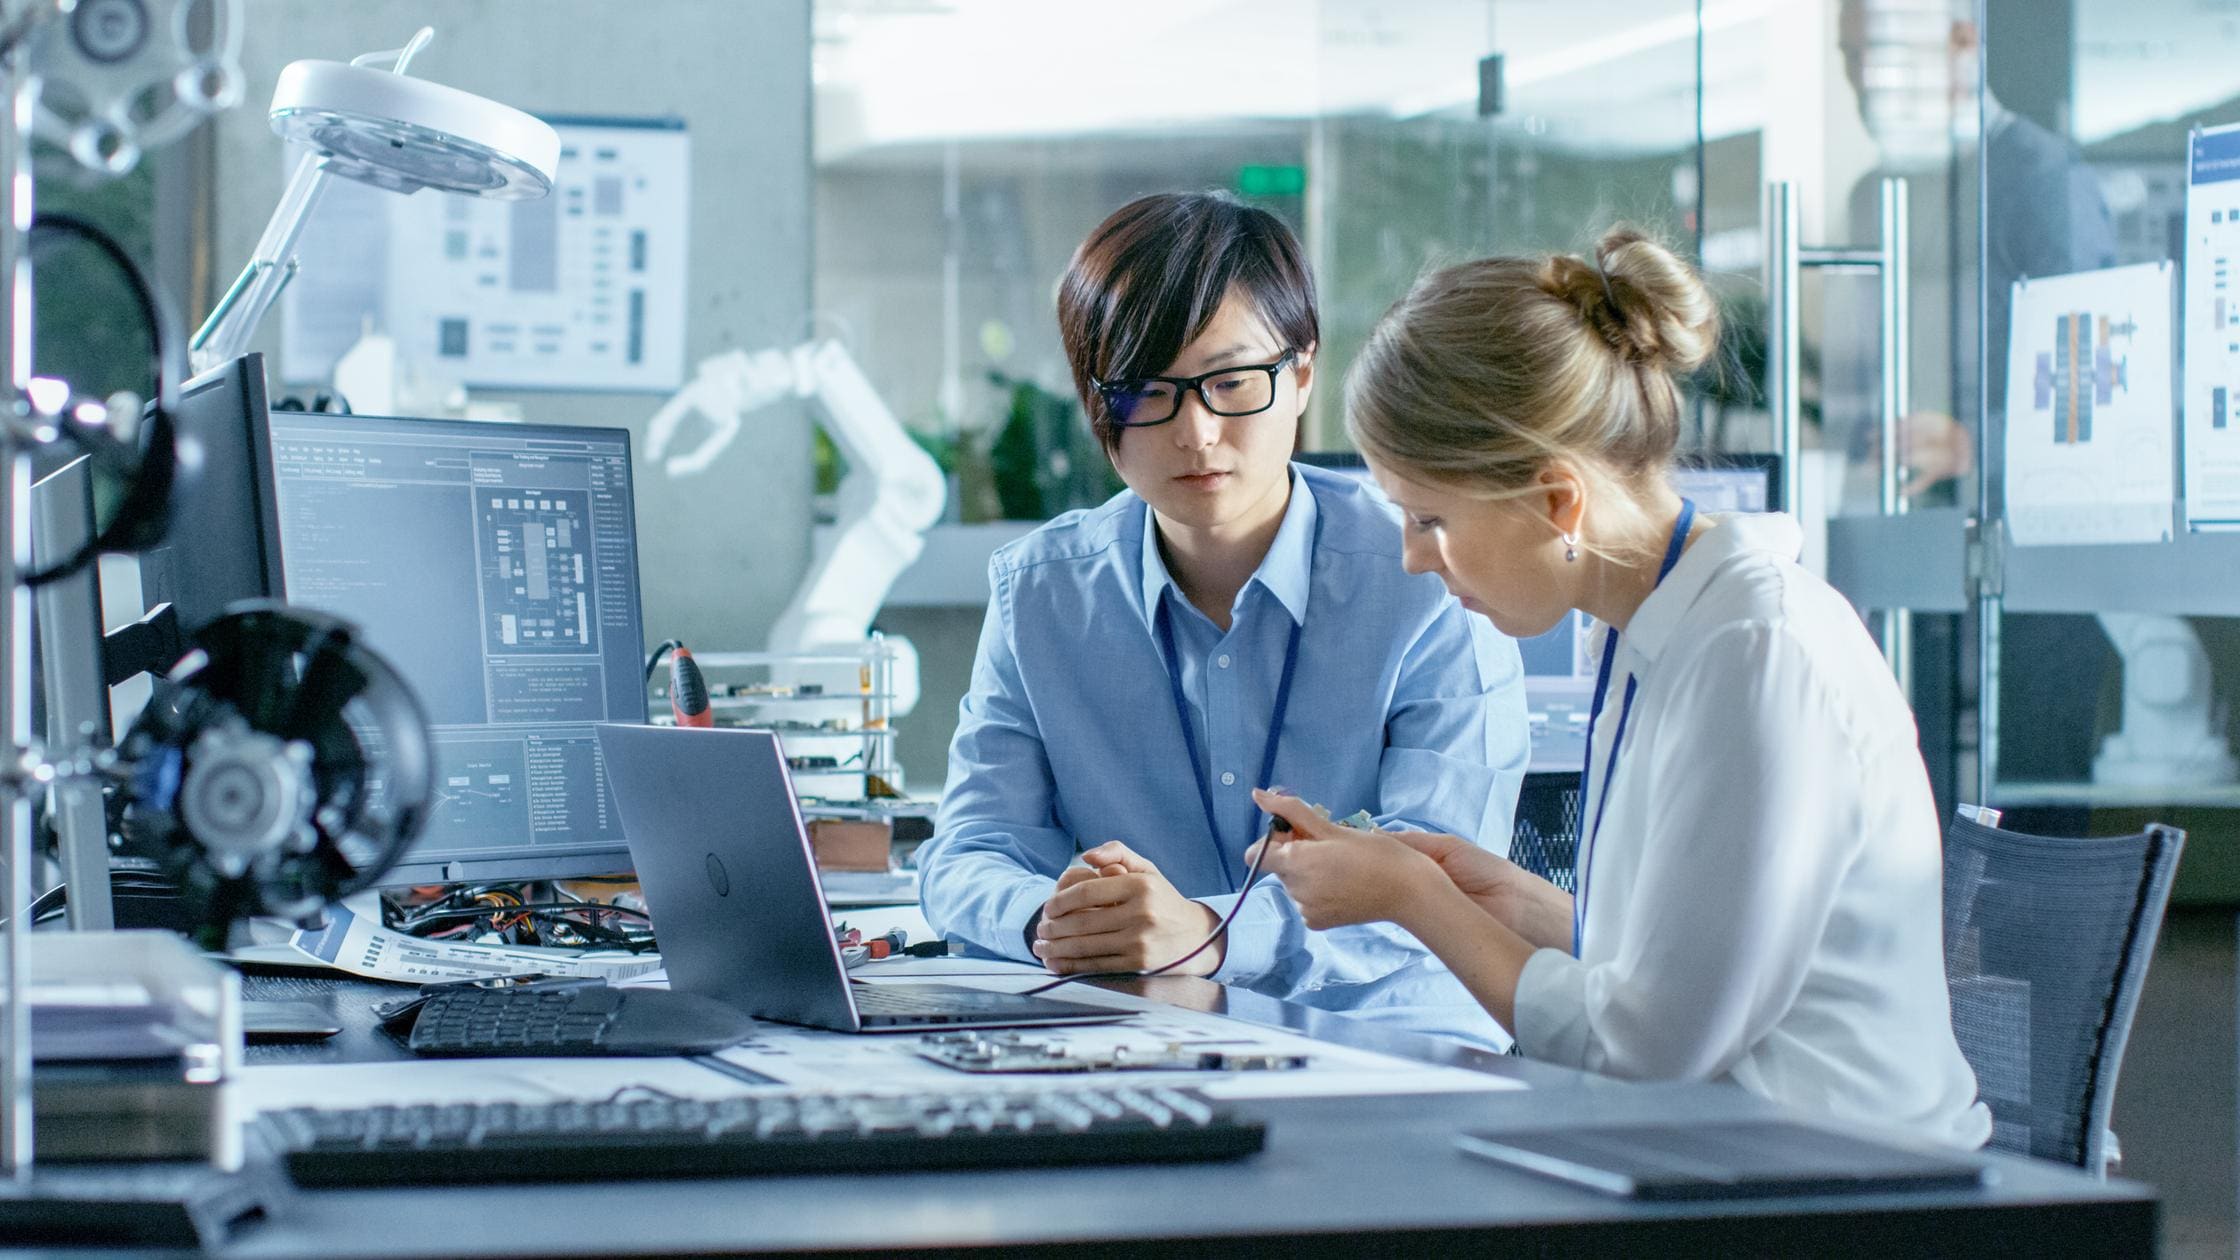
(1726, 1160)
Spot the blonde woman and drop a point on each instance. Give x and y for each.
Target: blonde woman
(1759, 871)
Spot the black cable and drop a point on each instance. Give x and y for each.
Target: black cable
(139, 521)
(1251, 878)
(526, 907)
(653, 662)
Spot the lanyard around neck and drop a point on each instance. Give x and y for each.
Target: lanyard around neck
(1593, 828)
(1198, 769)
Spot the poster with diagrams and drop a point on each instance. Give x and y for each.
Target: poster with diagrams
(2212, 373)
(2090, 366)
(581, 289)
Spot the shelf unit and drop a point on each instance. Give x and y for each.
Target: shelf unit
(850, 719)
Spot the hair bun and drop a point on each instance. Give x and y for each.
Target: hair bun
(1647, 304)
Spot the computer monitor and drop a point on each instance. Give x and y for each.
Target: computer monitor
(496, 566)
(1730, 483)
(217, 550)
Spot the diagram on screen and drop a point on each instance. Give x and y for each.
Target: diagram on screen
(537, 568)
(2081, 372)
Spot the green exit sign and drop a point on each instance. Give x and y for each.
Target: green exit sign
(1271, 181)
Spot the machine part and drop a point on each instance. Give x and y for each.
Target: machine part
(1013, 1052)
(121, 76)
(283, 765)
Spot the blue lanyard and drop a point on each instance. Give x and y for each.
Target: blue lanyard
(1585, 862)
(1198, 768)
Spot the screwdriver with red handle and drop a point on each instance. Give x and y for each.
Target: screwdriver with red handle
(688, 691)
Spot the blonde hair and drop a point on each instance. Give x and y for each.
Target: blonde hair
(1488, 370)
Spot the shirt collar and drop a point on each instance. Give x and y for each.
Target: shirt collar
(1286, 572)
(1730, 535)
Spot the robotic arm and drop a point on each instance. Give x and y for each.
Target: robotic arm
(892, 492)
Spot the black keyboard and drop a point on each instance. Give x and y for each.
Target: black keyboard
(571, 1018)
(785, 1133)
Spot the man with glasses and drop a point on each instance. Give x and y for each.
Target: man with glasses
(1230, 620)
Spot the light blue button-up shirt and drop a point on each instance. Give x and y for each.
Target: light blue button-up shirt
(1402, 704)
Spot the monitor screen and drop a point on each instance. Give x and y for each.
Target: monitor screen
(495, 565)
(1730, 483)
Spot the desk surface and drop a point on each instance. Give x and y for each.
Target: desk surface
(1339, 1174)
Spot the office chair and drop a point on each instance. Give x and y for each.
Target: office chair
(2046, 945)
(1545, 839)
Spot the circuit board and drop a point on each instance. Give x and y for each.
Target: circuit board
(1014, 1052)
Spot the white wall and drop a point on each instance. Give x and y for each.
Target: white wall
(722, 553)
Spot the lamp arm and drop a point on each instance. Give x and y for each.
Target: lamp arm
(234, 320)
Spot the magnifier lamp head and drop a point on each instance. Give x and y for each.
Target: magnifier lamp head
(406, 134)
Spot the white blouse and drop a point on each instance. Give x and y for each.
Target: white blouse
(1763, 894)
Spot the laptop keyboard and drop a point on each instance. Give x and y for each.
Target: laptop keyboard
(933, 1001)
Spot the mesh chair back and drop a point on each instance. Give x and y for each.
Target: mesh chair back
(1546, 838)
(2046, 944)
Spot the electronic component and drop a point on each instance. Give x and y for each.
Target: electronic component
(1013, 1052)
(661, 1136)
(283, 765)
(132, 74)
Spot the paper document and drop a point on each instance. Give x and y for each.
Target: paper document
(352, 943)
(804, 1058)
(2090, 366)
(2212, 385)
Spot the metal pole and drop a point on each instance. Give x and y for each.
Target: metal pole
(15, 679)
(1782, 338)
(1897, 398)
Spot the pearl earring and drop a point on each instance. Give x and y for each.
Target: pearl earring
(1570, 548)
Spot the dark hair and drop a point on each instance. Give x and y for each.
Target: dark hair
(1150, 278)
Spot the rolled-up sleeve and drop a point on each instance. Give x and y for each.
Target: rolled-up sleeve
(997, 848)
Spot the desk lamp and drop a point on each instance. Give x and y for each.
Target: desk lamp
(383, 128)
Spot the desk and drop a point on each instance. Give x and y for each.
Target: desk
(1340, 1175)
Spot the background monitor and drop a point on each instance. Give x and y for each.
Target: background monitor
(217, 550)
(496, 566)
(1730, 483)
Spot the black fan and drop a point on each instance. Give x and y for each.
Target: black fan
(283, 764)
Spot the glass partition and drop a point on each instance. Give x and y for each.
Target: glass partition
(945, 212)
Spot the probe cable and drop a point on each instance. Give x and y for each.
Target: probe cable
(1251, 879)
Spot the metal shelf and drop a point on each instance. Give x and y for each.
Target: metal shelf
(2116, 795)
(2189, 576)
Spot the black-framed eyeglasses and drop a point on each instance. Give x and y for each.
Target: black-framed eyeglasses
(1138, 402)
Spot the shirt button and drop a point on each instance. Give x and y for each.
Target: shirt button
(1222, 660)
(1228, 779)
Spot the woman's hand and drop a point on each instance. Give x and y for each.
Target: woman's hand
(1338, 875)
(1526, 904)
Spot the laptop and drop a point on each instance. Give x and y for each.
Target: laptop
(724, 859)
